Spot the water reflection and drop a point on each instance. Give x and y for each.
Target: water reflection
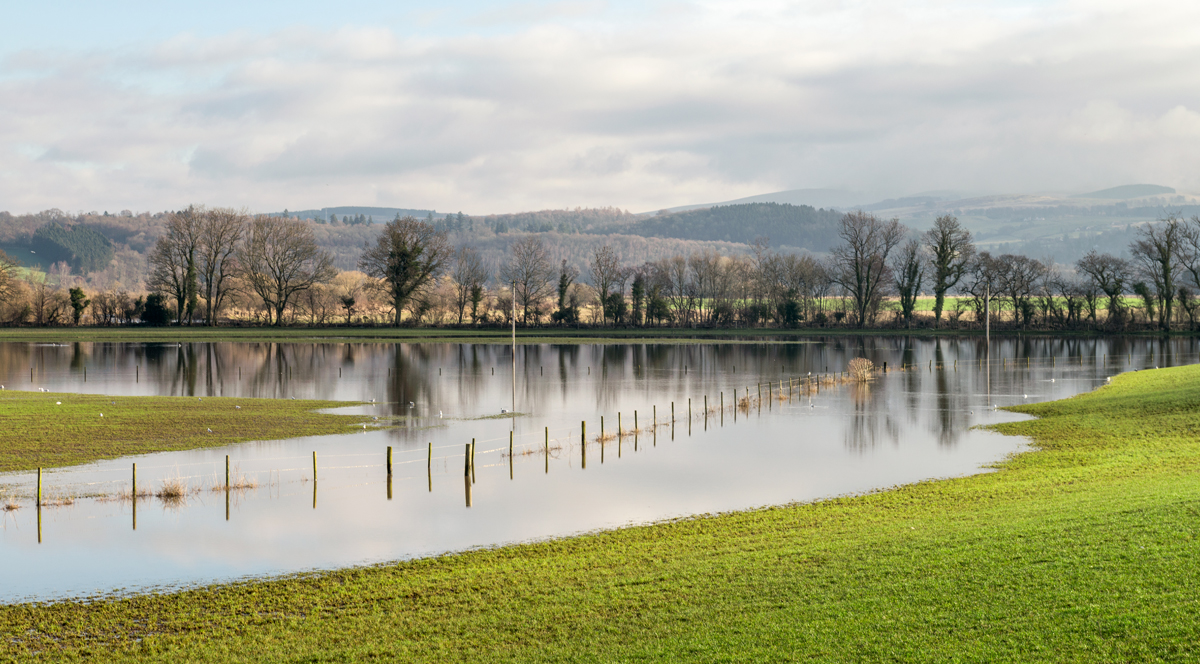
(913, 423)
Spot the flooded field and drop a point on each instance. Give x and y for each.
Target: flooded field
(793, 444)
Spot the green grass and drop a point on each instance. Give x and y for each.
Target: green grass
(664, 335)
(1085, 550)
(42, 429)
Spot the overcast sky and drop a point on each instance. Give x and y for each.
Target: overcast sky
(493, 106)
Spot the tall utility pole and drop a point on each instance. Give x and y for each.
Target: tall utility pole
(987, 313)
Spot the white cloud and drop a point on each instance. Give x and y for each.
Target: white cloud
(686, 104)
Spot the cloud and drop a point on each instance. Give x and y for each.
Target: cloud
(686, 103)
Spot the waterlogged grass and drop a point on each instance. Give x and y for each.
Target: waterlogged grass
(1085, 550)
(43, 429)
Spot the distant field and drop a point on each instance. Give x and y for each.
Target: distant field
(442, 335)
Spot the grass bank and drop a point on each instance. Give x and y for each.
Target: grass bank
(50, 429)
(1085, 550)
(663, 335)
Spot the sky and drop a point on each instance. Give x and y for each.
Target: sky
(489, 106)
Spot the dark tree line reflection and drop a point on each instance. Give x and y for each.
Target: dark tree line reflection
(944, 377)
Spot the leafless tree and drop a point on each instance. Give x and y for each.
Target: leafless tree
(279, 259)
(981, 281)
(1156, 253)
(469, 274)
(605, 271)
(221, 230)
(1189, 250)
(1110, 275)
(908, 269)
(8, 269)
(407, 257)
(530, 272)
(860, 263)
(672, 275)
(1018, 279)
(950, 251)
(173, 260)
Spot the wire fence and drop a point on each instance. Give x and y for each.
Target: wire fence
(519, 444)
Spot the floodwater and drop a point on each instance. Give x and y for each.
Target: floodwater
(902, 427)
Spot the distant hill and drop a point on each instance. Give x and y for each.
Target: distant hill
(783, 224)
(378, 214)
(839, 199)
(1128, 191)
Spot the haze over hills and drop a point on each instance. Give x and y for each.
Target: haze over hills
(818, 198)
(1058, 226)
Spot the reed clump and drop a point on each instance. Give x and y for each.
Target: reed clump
(861, 369)
(174, 491)
(553, 450)
(238, 482)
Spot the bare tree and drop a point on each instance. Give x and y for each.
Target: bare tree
(8, 268)
(605, 271)
(950, 250)
(279, 259)
(1156, 252)
(908, 268)
(529, 270)
(861, 262)
(1110, 275)
(221, 229)
(173, 260)
(982, 281)
(672, 274)
(1189, 250)
(469, 274)
(1018, 279)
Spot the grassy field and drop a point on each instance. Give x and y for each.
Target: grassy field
(664, 335)
(50, 429)
(429, 335)
(1085, 550)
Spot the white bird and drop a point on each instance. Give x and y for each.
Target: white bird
(1051, 380)
(199, 399)
(101, 414)
(59, 403)
(1156, 366)
(1025, 396)
(439, 414)
(210, 430)
(372, 401)
(1108, 380)
(113, 402)
(293, 398)
(375, 418)
(503, 411)
(364, 426)
(237, 407)
(972, 412)
(411, 404)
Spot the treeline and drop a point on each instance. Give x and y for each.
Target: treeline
(222, 266)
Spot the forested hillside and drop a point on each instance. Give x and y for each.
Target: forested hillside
(797, 226)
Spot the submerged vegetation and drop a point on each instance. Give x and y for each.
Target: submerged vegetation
(1081, 550)
(44, 429)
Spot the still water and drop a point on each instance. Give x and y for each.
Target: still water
(902, 427)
